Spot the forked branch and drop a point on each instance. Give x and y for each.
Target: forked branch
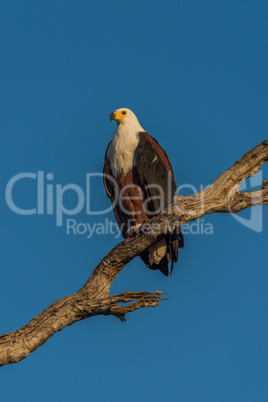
(93, 299)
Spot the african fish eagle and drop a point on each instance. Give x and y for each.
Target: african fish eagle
(139, 180)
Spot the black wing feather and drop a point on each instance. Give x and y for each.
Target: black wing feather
(154, 168)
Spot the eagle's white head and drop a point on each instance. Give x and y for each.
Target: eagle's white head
(126, 118)
(126, 138)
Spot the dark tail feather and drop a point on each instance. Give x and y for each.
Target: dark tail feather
(175, 241)
(181, 238)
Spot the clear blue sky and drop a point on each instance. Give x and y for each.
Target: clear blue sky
(195, 73)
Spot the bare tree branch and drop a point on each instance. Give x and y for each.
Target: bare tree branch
(93, 298)
(18, 344)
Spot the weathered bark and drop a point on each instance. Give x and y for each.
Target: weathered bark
(222, 195)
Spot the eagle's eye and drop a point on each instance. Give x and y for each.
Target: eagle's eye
(124, 112)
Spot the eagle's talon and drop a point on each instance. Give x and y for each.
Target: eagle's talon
(130, 232)
(133, 230)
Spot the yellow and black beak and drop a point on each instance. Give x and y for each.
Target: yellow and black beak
(118, 115)
(112, 116)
